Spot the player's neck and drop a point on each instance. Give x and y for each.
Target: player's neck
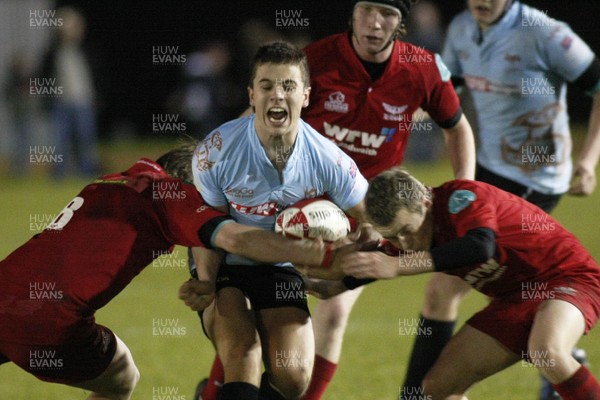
(279, 148)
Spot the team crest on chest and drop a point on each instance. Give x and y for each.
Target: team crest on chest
(393, 113)
(337, 102)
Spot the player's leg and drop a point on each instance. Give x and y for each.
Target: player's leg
(469, 357)
(330, 318)
(443, 296)
(118, 380)
(231, 326)
(288, 348)
(557, 327)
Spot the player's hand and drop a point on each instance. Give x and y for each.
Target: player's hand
(334, 270)
(583, 182)
(370, 264)
(323, 289)
(365, 233)
(196, 294)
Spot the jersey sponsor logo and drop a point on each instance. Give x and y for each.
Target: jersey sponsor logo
(444, 71)
(265, 209)
(482, 84)
(202, 152)
(484, 274)
(512, 58)
(459, 200)
(565, 290)
(393, 113)
(241, 192)
(336, 102)
(343, 136)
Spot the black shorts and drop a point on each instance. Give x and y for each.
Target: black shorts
(546, 202)
(266, 286)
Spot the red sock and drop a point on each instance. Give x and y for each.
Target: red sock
(581, 386)
(215, 381)
(322, 374)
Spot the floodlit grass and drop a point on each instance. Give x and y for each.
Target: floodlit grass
(374, 358)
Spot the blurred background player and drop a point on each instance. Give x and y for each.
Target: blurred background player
(366, 85)
(49, 310)
(544, 285)
(516, 62)
(73, 110)
(251, 167)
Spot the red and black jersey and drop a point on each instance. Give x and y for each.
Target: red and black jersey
(103, 238)
(531, 246)
(371, 121)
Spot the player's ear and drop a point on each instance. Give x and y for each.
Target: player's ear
(251, 96)
(306, 95)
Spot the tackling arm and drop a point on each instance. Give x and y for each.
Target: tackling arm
(461, 149)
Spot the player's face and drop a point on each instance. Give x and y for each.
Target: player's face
(372, 29)
(278, 96)
(486, 12)
(410, 230)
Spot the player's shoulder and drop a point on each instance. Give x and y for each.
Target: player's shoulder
(316, 141)
(538, 24)
(461, 23)
(460, 193)
(227, 137)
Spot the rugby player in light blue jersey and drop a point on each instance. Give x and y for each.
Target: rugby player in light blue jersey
(516, 62)
(252, 167)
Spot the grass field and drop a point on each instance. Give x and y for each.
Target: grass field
(374, 358)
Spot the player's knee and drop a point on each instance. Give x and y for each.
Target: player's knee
(546, 356)
(245, 349)
(292, 383)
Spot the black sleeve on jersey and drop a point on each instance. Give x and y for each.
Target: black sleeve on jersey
(589, 79)
(352, 283)
(457, 81)
(206, 231)
(451, 123)
(476, 247)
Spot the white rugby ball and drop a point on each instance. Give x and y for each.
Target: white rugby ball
(311, 218)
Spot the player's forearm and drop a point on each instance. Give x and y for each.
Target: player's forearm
(461, 149)
(590, 153)
(207, 263)
(268, 247)
(415, 262)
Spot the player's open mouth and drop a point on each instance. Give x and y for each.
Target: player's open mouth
(483, 9)
(277, 115)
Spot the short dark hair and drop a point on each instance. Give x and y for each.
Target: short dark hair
(280, 53)
(391, 191)
(178, 162)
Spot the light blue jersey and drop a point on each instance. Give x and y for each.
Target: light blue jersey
(517, 72)
(231, 168)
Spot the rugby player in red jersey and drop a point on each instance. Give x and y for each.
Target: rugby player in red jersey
(366, 85)
(544, 285)
(51, 286)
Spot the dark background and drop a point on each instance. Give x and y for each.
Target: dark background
(122, 34)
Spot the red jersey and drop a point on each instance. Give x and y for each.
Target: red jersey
(104, 237)
(532, 248)
(371, 121)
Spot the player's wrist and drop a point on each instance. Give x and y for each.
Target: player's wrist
(328, 256)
